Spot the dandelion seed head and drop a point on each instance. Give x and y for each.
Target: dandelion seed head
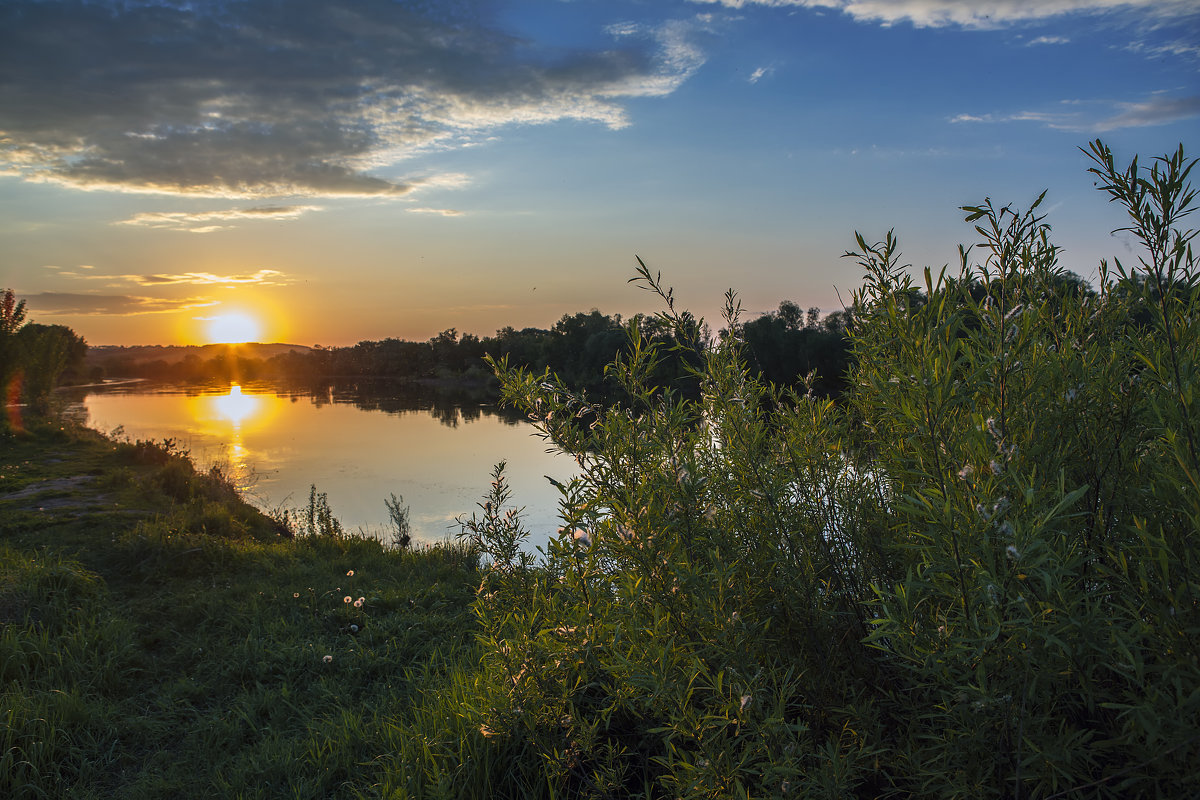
(1013, 552)
(295, 594)
(350, 574)
(359, 602)
(327, 659)
(746, 701)
(966, 471)
(347, 599)
(353, 628)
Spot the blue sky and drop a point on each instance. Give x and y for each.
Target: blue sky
(358, 170)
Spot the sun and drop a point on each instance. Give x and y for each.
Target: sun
(233, 328)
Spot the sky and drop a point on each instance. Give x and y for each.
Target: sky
(345, 171)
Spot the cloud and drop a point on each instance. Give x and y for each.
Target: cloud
(760, 73)
(1048, 40)
(264, 277)
(208, 221)
(1155, 111)
(1177, 47)
(1158, 110)
(240, 99)
(445, 212)
(118, 305)
(971, 13)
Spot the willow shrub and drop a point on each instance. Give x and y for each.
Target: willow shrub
(974, 576)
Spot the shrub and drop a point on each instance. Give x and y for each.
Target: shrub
(977, 576)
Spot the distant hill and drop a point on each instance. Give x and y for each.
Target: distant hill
(172, 354)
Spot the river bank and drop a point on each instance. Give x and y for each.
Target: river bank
(161, 637)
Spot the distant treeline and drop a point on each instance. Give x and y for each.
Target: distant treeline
(782, 346)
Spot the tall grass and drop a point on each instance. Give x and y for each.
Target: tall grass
(162, 638)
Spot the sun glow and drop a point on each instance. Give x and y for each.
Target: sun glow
(236, 406)
(233, 328)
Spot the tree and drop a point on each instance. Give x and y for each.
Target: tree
(12, 314)
(46, 352)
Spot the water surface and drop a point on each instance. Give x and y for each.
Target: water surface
(357, 442)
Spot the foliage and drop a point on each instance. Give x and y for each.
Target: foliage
(577, 349)
(158, 647)
(976, 577)
(33, 357)
(401, 530)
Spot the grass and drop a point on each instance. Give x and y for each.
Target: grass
(160, 638)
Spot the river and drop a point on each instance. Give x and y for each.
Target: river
(357, 442)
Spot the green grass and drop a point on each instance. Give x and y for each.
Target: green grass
(161, 639)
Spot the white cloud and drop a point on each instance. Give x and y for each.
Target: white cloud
(1048, 40)
(241, 100)
(759, 74)
(445, 212)
(970, 13)
(208, 221)
(1097, 117)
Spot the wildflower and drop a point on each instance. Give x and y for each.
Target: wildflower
(746, 701)
(350, 574)
(359, 602)
(1013, 552)
(347, 599)
(966, 471)
(328, 659)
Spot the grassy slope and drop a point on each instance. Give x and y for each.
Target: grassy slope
(158, 638)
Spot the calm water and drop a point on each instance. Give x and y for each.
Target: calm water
(357, 443)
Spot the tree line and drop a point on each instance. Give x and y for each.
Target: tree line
(783, 347)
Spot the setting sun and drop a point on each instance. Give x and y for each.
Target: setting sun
(233, 328)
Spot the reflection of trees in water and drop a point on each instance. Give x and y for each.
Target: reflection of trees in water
(449, 405)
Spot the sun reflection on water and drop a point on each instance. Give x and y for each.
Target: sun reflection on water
(229, 417)
(235, 406)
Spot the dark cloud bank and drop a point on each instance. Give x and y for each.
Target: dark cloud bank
(271, 98)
